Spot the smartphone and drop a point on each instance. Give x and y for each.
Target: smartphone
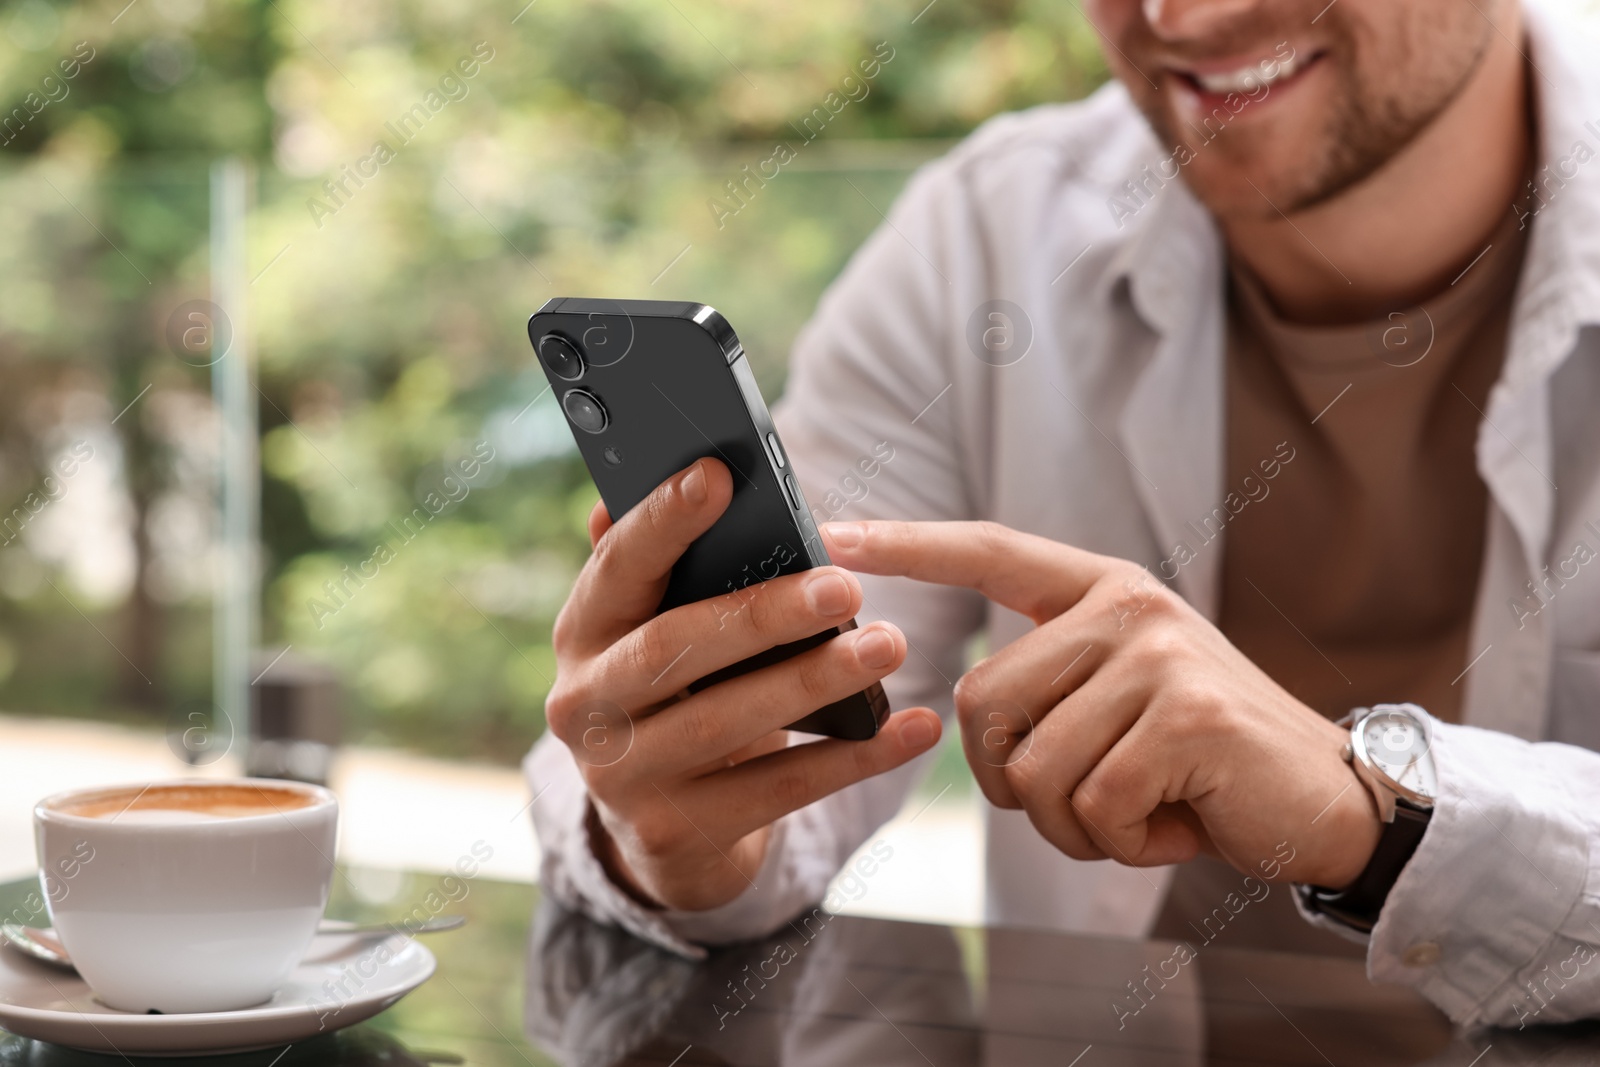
(650, 386)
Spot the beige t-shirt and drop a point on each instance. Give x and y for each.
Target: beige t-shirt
(1350, 576)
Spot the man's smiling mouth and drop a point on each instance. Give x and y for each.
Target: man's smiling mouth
(1220, 79)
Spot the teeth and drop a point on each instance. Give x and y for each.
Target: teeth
(1248, 79)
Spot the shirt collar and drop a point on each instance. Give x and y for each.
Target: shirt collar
(1560, 286)
(1174, 241)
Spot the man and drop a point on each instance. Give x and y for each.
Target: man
(1271, 369)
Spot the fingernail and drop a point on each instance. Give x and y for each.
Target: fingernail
(694, 485)
(828, 595)
(845, 534)
(874, 648)
(917, 733)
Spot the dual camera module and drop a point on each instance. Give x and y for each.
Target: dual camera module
(565, 361)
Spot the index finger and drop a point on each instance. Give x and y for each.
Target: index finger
(623, 581)
(1033, 575)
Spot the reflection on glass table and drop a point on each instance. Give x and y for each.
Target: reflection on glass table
(527, 982)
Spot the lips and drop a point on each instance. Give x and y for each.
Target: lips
(1248, 78)
(1207, 85)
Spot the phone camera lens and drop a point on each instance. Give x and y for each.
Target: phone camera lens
(561, 356)
(585, 411)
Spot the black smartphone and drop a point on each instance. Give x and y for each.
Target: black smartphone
(650, 386)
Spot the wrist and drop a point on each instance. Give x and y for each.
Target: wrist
(606, 850)
(1354, 831)
(1389, 754)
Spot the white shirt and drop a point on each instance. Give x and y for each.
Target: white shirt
(1108, 434)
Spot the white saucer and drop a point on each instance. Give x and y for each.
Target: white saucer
(342, 981)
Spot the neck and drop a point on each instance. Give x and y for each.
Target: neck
(1403, 233)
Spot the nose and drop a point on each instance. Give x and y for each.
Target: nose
(1188, 19)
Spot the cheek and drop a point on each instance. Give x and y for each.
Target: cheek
(1126, 43)
(1111, 17)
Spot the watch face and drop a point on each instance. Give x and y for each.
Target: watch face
(1396, 743)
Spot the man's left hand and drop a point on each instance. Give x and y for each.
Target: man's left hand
(1126, 725)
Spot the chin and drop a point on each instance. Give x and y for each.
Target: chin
(1275, 155)
(1258, 185)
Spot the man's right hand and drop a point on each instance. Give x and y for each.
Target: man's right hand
(685, 787)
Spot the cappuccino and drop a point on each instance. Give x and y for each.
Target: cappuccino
(185, 802)
(187, 896)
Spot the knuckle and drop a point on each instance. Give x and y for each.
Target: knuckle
(703, 730)
(560, 707)
(658, 508)
(1080, 846)
(1091, 800)
(1160, 601)
(1190, 708)
(974, 689)
(1028, 781)
(721, 612)
(603, 560)
(793, 787)
(815, 674)
(1059, 825)
(1162, 647)
(865, 761)
(1107, 587)
(996, 790)
(652, 649)
(561, 631)
(1109, 594)
(992, 536)
(763, 616)
(1126, 572)
(969, 708)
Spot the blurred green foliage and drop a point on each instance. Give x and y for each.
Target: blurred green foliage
(583, 155)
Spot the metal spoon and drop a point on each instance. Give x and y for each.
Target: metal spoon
(42, 943)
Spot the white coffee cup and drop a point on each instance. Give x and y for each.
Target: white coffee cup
(187, 896)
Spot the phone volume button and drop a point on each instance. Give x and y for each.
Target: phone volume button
(791, 487)
(775, 450)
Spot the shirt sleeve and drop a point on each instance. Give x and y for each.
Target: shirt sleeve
(871, 434)
(1496, 918)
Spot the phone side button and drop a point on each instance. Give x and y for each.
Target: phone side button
(775, 450)
(793, 489)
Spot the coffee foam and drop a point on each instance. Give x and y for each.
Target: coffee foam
(186, 802)
(162, 817)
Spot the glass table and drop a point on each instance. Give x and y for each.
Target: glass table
(529, 983)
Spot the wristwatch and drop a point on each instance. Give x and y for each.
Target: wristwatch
(1389, 751)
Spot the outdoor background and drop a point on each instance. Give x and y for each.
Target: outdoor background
(589, 153)
(582, 158)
